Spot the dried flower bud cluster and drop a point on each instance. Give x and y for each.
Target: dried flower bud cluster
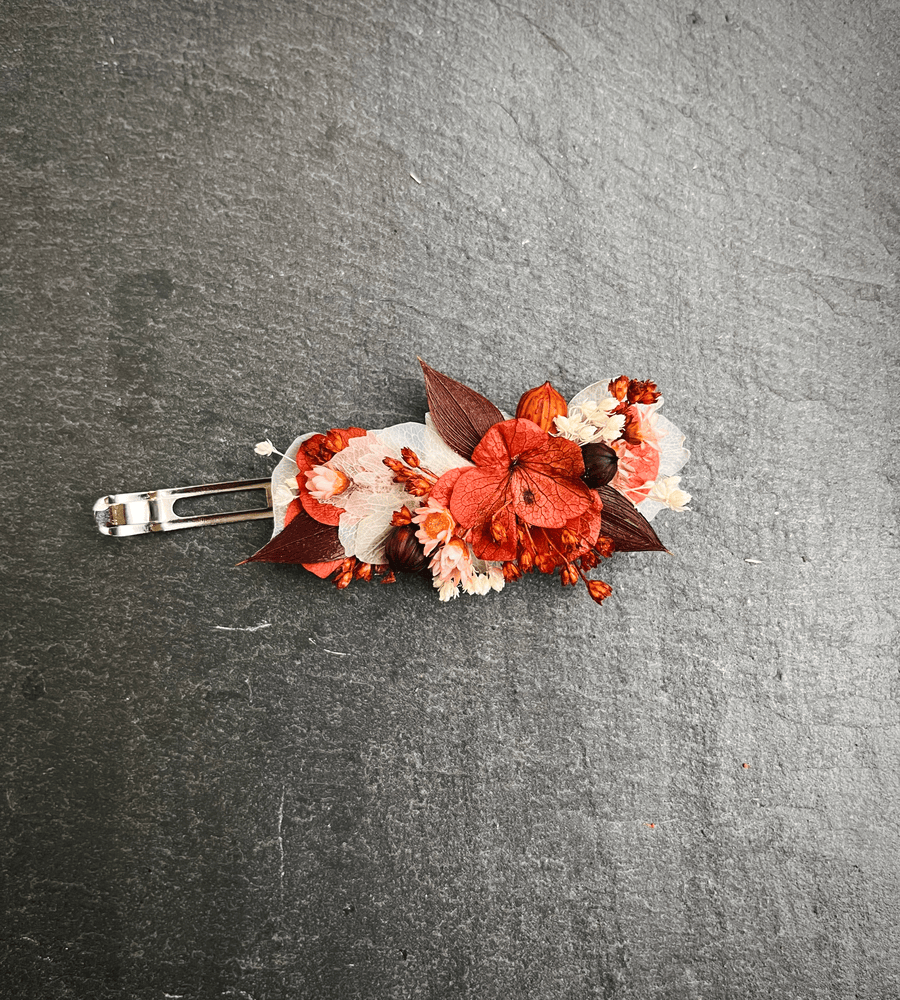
(478, 500)
(410, 474)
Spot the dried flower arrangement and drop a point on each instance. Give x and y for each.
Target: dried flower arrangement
(477, 498)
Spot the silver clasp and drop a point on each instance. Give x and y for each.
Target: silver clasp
(142, 513)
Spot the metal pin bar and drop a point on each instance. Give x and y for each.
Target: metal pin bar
(143, 513)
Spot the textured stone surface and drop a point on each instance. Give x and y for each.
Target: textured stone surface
(212, 234)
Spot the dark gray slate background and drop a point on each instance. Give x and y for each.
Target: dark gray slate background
(211, 235)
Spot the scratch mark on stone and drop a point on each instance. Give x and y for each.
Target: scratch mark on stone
(416, 179)
(249, 688)
(334, 652)
(243, 628)
(549, 39)
(280, 838)
(533, 145)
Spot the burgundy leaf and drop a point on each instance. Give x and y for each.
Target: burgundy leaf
(303, 540)
(626, 525)
(461, 415)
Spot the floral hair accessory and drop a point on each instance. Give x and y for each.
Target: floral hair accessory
(476, 498)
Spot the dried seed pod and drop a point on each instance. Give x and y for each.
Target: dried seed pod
(599, 590)
(542, 406)
(403, 551)
(600, 464)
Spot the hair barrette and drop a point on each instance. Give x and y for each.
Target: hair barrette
(473, 497)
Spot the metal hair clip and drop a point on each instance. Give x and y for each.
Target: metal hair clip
(471, 495)
(143, 513)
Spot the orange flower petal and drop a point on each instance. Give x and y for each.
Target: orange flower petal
(478, 494)
(508, 439)
(546, 501)
(485, 546)
(440, 492)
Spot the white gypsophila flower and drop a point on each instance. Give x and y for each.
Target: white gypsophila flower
(575, 428)
(264, 447)
(496, 578)
(447, 589)
(608, 428)
(666, 491)
(478, 584)
(592, 408)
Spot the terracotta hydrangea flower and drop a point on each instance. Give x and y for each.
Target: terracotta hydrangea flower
(520, 472)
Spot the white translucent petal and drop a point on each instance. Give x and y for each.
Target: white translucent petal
(433, 452)
(650, 508)
(365, 537)
(672, 453)
(284, 487)
(593, 393)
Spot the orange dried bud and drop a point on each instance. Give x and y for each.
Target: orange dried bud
(545, 562)
(568, 538)
(642, 392)
(511, 572)
(588, 560)
(410, 457)
(389, 578)
(394, 464)
(619, 387)
(401, 517)
(498, 532)
(631, 432)
(568, 575)
(348, 565)
(599, 590)
(363, 572)
(344, 579)
(316, 450)
(336, 440)
(526, 561)
(605, 546)
(542, 406)
(419, 486)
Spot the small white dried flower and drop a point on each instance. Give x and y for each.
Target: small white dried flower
(266, 448)
(591, 408)
(609, 428)
(666, 491)
(575, 428)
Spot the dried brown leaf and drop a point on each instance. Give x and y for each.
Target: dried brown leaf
(303, 540)
(461, 415)
(626, 525)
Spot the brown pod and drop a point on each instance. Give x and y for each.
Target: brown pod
(600, 464)
(403, 552)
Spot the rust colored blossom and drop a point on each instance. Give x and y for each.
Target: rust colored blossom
(523, 479)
